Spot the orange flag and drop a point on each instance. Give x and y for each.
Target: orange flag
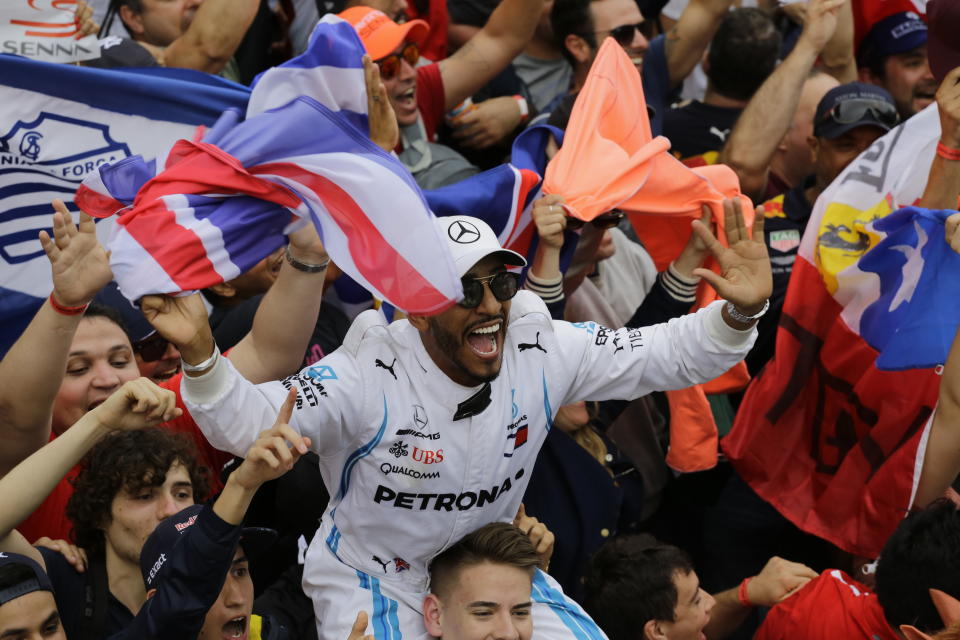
(610, 160)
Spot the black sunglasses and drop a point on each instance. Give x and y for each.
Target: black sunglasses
(624, 33)
(503, 285)
(606, 220)
(853, 110)
(151, 348)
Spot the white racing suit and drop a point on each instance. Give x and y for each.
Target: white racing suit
(407, 481)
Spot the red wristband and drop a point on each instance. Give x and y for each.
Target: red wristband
(742, 593)
(947, 153)
(67, 311)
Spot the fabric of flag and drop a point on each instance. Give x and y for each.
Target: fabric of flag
(913, 321)
(610, 160)
(58, 123)
(503, 197)
(217, 207)
(823, 434)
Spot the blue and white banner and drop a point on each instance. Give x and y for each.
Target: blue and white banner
(58, 123)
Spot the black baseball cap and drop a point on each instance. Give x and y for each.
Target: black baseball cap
(39, 581)
(163, 543)
(898, 33)
(853, 105)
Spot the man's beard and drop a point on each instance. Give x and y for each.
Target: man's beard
(449, 344)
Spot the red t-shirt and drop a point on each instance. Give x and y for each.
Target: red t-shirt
(50, 518)
(834, 605)
(430, 98)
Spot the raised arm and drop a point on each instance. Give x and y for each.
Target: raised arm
(691, 35)
(286, 316)
(33, 368)
(839, 58)
(281, 328)
(212, 37)
(943, 181)
(767, 118)
(486, 54)
(195, 571)
(137, 404)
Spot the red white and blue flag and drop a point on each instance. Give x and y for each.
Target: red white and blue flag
(207, 211)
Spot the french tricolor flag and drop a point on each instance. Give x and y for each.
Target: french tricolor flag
(209, 210)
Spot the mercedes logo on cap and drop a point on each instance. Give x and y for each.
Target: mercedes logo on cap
(463, 232)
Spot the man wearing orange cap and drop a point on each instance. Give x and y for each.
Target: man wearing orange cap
(420, 95)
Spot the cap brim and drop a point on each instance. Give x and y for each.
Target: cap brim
(393, 36)
(465, 262)
(833, 130)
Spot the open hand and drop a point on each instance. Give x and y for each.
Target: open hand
(136, 405)
(384, 130)
(74, 555)
(78, 262)
(745, 278)
(696, 250)
(275, 451)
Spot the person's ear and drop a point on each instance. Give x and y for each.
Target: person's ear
(578, 48)
(432, 610)
(653, 630)
(223, 289)
(132, 20)
(151, 593)
(420, 323)
(814, 143)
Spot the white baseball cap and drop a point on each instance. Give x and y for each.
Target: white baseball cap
(471, 240)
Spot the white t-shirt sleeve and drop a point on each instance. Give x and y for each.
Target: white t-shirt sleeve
(626, 363)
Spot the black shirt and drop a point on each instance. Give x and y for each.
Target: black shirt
(697, 128)
(71, 588)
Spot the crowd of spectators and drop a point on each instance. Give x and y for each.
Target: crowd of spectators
(293, 487)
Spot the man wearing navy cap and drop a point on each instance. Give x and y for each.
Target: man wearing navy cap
(893, 55)
(848, 119)
(27, 607)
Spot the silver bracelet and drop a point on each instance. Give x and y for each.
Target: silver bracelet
(306, 267)
(203, 366)
(739, 317)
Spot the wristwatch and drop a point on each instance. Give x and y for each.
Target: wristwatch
(739, 317)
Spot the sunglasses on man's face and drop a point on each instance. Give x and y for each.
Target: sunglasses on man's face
(151, 348)
(390, 65)
(850, 111)
(503, 286)
(624, 34)
(606, 220)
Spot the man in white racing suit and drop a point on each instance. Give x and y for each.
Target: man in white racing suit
(428, 428)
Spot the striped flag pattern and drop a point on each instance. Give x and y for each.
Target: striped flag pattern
(209, 210)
